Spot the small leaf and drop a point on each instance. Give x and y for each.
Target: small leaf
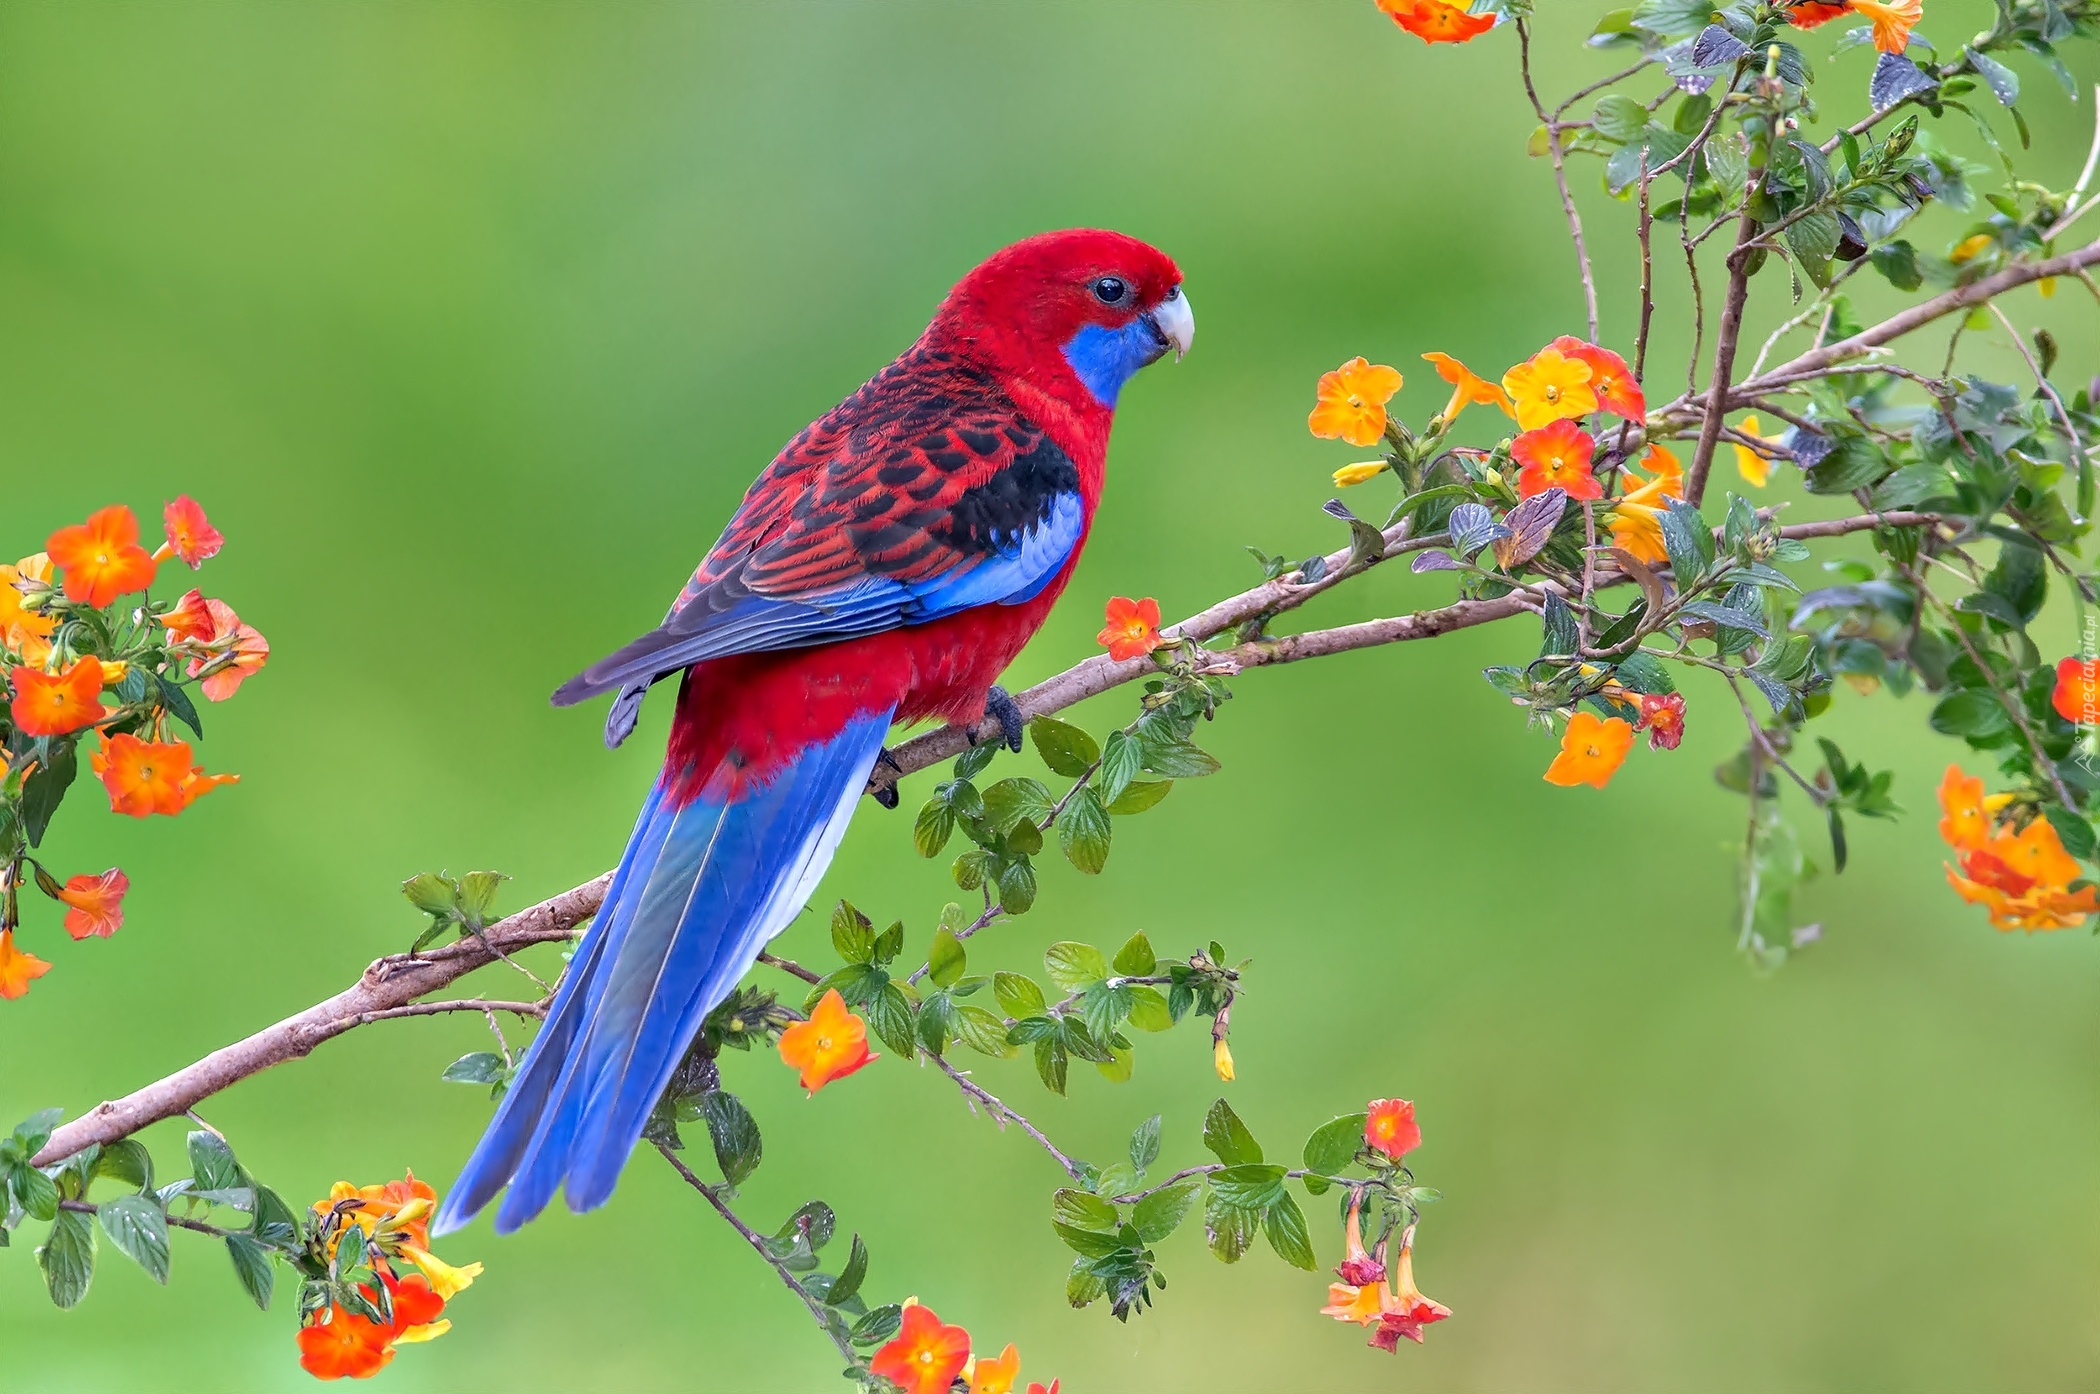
(1530, 525)
(477, 896)
(1065, 748)
(1074, 966)
(1434, 559)
(878, 1325)
(1144, 1145)
(137, 1227)
(932, 826)
(67, 1257)
(1121, 758)
(1018, 995)
(1252, 1186)
(481, 1067)
(982, 1032)
(1335, 1143)
(1161, 1213)
(848, 1282)
(211, 1162)
(734, 1132)
(251, 1264)
(1896, 77)
(1175, 759)
(1138, 797)
(1227, 1137)
(431, 893)
(1228, 1229)
(1135, 959)
(1083, 831)
(1284, 1224)
(946, 960)
(1083, 1211)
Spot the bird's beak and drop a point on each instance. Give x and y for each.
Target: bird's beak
(1176, 321)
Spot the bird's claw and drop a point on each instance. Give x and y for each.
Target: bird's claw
(887, 794)
(999, 703)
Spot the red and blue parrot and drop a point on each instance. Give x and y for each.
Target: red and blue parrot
(885, 568)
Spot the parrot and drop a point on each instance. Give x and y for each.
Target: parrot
(883, 570)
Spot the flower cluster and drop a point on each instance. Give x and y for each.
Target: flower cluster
(1363, 1295)
(2021, 875)
(927, 1357)
(87, 657)
(351, 1326)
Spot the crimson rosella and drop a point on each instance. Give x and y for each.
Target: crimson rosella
(885, 568)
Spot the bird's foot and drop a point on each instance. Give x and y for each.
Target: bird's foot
(887, 794)
(999, 703)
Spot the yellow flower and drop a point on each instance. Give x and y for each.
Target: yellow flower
(445, 1280)
(1221, 1056)
(428, 1331)
(1549, 387)
(1352, 400)
(1467, 387)
(1969, 247)
(1636, 521)
(1755, 468)
(1358, 474)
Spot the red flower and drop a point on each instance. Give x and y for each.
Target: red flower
(1662, 716)
(2077, 694)
(1556, 455)
(1390, 1127)
(56, 705)
(832, 1044)
(191, 619)
(1610, 378)
(1133, 627)
(190, 534)
(96, 904)
(346, 1346)
(925, 1357)
(1406, 1310)
(102, 559)
(1809, 14)
(249, 651)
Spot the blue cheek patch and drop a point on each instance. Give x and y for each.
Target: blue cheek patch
(1104, 359)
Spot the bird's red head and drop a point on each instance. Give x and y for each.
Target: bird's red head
(1073, 314)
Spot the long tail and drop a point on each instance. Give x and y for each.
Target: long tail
(701, 888)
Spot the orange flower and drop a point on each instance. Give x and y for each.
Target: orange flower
(2036, 853)
(417, 1308)
(1662, 716)
(832, 1044)
(1132, 630)
(48, 705)
(1467, 387)
(1636, 520)
(1390, 1127)
(191, 619)
(379, 1204)
(1610, 379)
(190, 534)
(16, 622)
(145, 777)
(1893, 21)
(17, 969)
(1548, 387)
(345, 1346)
(1361, 1303)
(1437, 21)
(229, 636)
(1810, 13)
(1755, 468)
(1407, 1311)
(102, 559)
(991, 1376)
(1966, 826)
(97, 904)
(1591, 751)
(925, 1357)
(1352, 401)
(2077, 695)
(1556, 456)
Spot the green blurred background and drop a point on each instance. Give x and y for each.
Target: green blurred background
(470, 323)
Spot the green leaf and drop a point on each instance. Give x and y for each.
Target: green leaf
(481, 1067)
(1018, 995)
(1284, 1224)
(890, 942)
(1118, 1067)
(477, 896)
(1065, 748)
(128, 1161)
(1974, 712)
(1252, 1186)
(33, 1132)
(1082, 1210)
(1227, 1137)
(37, 1193)
(1161, 1213)
(1074, 966)
(431, 893)
(946, 959)
(1619, 117)
(982, 1032)
(848, 1282)
(1335, 1143)
(1087, 1243)
(894, 1020)
(45, 789)
(1011, 800)
(67, 1257)
(251, 1264)
(1083, 832)
(932, 827)
(139, 1229)
(1135, 959)
(1017, 886)
(1177, 759)
(734, 1132)
(878, 1325)
(2005, 83)
(1228, 1229)
(1144, 1145)
(1121, 758)
(1138, 797)
(936, 1022)
(1149, 1010)
(852, 934)
(1051, 1063)
(176, 703)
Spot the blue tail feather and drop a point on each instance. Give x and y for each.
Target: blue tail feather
(699, 891)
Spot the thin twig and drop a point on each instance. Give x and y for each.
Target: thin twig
(1560, 176)
(1003, 1114)
(88, 1207)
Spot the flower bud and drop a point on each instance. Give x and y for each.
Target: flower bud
(1221, 1056)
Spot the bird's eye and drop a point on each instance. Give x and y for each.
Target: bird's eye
(1110, 290)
